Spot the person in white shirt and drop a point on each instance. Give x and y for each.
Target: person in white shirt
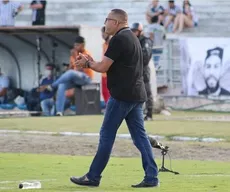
(157, 33)
(155, 9)
(8, 12)
(187, 18)
(171, 13)
(4, 85)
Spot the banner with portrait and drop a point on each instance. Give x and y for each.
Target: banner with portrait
(205, 66)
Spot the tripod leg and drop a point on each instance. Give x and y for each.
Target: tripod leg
(163, 168)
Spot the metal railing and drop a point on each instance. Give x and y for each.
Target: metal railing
(169, 72)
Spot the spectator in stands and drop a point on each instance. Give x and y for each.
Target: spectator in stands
(46, 96)
(4, 85)
(156, 32)
(105, 91)
(171, 13)
(186, 19)
(75, 76)
(8, 11)
(38, 12)
(154, 9)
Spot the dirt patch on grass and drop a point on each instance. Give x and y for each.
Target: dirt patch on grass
(70, 145)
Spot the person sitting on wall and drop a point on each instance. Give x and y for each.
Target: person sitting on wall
(75, 76)
(187, 19)
(4, 85)
(155, 9)
(170, 14)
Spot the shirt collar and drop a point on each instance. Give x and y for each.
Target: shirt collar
(122, 29)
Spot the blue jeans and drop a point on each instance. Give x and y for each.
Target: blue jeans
(116, 112)
(48, 107)
(68, 80)
(157, 56)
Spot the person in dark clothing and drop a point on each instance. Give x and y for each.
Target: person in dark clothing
(38, 12)
(47, 97)
(146, 44)
(123, 63)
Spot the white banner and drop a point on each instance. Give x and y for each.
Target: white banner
(205, 66)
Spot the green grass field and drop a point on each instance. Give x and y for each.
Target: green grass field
(118, 176)
(54, 171)
(91, 124)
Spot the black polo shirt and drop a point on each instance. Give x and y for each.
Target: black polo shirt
(125, 76)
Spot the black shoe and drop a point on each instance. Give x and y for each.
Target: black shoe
(84, 181)
(143, 184)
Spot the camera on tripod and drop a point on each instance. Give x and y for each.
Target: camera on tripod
(164, 150)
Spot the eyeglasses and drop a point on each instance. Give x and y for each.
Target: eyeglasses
(109, 19)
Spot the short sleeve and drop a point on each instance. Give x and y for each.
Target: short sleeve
(114, 49)
(5, 82)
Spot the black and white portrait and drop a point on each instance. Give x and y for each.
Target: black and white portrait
(205, 67)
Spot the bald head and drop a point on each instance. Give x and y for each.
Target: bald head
(116, 20)
(120, 15)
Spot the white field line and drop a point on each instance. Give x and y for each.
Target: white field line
(122, 136)
(216, 118)
(219, 118)
(29, 180)
(207, 175)
(6, 188)
(126, 136)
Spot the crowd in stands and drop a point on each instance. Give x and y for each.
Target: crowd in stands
(174, 18)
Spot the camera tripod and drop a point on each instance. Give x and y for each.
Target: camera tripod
(164, 152)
